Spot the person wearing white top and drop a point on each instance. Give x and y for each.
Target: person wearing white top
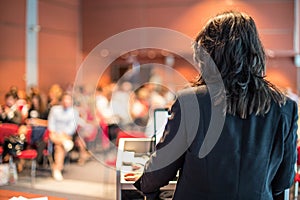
(62, 124)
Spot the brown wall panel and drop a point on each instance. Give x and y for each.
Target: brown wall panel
(282, 72)
(102, 19)
(59, 17)
(59, 50)
(12, 48)
(57, 61)
(279, 43)
(12, 11)
(275, 19)
(12, 41)
(12, 73)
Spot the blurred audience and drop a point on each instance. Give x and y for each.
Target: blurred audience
(114, 107)
(120, 103)
(87, 122)
(106, 112)
(140, 106)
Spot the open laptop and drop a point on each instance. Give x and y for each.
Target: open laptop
(161, 116)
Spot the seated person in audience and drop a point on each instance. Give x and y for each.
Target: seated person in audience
(62, 124)
(10, 113)
(37, 119)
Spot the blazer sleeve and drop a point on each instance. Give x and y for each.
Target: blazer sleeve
(157, 173)
(284, 177)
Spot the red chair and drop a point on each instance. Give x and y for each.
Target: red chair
(123, 134)
(29, 155)
(132, 134)
(1, 152)
(105, 137)
(6, 130)
(47, 153)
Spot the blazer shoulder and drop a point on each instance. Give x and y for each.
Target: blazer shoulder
(290, 107)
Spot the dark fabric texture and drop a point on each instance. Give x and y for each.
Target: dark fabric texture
(37, 133)
(253, 159)
(13, 145)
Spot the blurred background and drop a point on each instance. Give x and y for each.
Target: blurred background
(44, 41)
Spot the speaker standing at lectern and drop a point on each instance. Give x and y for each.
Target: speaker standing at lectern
(236, 142)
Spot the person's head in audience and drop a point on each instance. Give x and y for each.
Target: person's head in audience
(55, 94)
(37, 103)
(34, 90)
(10, 99)
(14, 89)
(66, 101)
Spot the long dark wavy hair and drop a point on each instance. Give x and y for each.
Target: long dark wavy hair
(231, 39)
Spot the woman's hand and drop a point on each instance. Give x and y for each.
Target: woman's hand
(132, 176)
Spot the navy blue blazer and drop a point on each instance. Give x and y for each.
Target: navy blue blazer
(253, 158)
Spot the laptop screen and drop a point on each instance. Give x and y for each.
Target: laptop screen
(161, 116)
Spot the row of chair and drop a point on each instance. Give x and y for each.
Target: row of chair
(31, 154)
(27, 154)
